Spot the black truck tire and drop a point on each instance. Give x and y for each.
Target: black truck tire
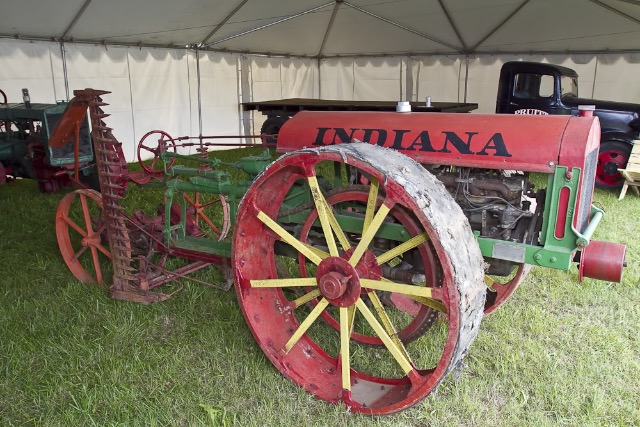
(272, 126)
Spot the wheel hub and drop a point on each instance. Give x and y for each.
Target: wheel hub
(338, 281)
(611, 168)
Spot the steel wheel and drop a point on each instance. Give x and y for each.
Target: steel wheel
(284, 312)
(163, 143)
(417, 266)
(80, 228)
(500, 289)
(207, 208)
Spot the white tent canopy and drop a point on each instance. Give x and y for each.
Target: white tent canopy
(185, 66)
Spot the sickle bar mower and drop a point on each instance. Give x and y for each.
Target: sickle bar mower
(374, 236)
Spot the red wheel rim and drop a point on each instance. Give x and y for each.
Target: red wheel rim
(316, 356)
(163, 143)
(80, 226)
(421, 316)
(502, 291)
(608, 164)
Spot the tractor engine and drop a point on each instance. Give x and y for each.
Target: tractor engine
(485, 162)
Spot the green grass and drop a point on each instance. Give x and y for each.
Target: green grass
(557, 353)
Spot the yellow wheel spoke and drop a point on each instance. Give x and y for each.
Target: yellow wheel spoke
(315, 313)
(345, 357)
(284, 283)
(386, 322)
(414, 242)
(298, 302)
(371, 203)
(303, 248)
(369, 234)
(428, 301)
(389, 286)
(322, 254)
(327, 219)
(397, 353)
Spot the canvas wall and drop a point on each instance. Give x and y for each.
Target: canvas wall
(184, 92)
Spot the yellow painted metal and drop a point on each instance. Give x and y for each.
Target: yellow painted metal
(386, 322)
(368, 235)
(304, 299)
(323, 210)
(413, 242)
(488, 281)
(398, 354)
(315, 313)
(345, 357)
(288, 238)
(322, 254)
(389, 286)
(352, 317)
(342, 238)
(284, 283)
(429, 302)
(371, 203)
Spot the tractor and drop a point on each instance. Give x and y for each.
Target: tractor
(365, 255)
(28, 133)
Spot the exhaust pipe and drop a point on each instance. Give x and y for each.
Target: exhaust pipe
(602, 261)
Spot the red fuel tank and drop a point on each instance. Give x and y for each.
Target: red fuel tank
(494, 141)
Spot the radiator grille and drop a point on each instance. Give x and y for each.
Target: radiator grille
(586, 189)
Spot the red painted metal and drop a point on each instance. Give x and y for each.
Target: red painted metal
(163, 143)
(561, 216)
(81, 237)
(608, 164)
(527, 143)
(602, 261)
(502, 291)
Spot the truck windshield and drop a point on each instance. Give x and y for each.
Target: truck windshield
(568, 86)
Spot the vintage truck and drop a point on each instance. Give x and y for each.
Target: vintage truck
(536, 88)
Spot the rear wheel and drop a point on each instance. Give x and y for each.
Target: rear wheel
(613, 155)
(344, 278)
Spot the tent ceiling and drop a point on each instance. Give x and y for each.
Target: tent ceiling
(327, 28)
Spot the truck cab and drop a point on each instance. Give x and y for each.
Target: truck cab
(536, 88)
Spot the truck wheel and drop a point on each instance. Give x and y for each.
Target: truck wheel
(613, 155)
(271, 127)
(344, 277)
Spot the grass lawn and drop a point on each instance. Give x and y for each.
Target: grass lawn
(558, 353)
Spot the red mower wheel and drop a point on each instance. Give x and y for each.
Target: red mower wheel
(284, 313)
(80, 228)
(164, 143)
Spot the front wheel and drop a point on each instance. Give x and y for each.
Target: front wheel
(344, 279)
(613, 155)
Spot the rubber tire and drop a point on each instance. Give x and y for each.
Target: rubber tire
(272, 126)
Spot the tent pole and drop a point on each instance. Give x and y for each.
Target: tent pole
(199, 95)
(466, 77)
(63, 52)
